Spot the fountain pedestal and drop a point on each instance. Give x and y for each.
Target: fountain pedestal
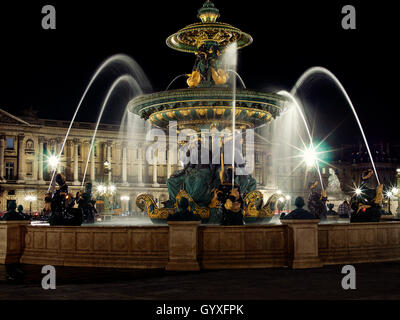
(183, 246)
(303, 243)
(11, 240)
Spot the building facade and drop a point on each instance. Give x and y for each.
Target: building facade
(26, 144)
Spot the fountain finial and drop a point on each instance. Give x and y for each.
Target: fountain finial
(208, 13)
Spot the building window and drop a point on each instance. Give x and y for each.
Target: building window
(79, 149)
(45, 148)
(29, 168)
(95, 151)
(111, 152)
(10, 143)
(9, 170)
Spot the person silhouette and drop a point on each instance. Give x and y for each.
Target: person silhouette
(299, 212)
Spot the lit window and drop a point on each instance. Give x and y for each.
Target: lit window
(9, 170)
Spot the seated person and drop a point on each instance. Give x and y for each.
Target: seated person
(344, 209)
(299, 212)
(331, 212)
(12, 214)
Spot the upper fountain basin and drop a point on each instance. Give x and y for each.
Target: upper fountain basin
(204, 108)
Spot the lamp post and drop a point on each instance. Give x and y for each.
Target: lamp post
(30, 199)
(393, 193)
(389, 195)
(288, 198)
(107, 191)
(125, 199)
(397, 187)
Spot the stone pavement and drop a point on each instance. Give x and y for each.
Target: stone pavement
(374, 281)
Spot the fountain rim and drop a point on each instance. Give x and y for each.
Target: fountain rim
(255, 107)
(205, 95)
(175, 41)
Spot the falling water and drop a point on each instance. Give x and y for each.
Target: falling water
(229, 59)
(133, 84)
(176, 78)
(315, 70)
(126, 62)
(238, 76)
(301, 113)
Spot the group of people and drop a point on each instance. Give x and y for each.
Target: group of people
(365, 206)
(15, 213)
(344, 211)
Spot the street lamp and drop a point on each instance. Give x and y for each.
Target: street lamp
(397, 186)
(310, 156)
(392, 193)
(288, 198)
(125, 199)
(53, 161)
(30, 199)
(389, 194)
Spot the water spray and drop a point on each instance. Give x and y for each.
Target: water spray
(125, 78)
(311, 147)
(313, 70)
(121, 58)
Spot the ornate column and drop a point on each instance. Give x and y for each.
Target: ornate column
(21, 158)
(264, 169)
(124, 164)
(140, 166)
(40, 169)
(76, 162)
(93, 167)
(155, 183)
(109, 160)
(2, 152)
(169, 166)
(58, 153)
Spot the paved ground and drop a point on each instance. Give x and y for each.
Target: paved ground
(374, 281)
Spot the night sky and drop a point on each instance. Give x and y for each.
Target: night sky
(48, 70)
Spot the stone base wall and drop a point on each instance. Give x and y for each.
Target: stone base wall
(359, 242)
(251, 246)
(12, 235)
(119, 247)
(184, 246)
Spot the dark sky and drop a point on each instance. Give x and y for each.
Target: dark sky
(49, 69)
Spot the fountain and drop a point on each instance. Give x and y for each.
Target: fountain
(211, 108)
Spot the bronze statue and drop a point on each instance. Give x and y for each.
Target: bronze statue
(86, 204)
(62, 211)
(367, 205)
(317, 202)
(183, 212)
